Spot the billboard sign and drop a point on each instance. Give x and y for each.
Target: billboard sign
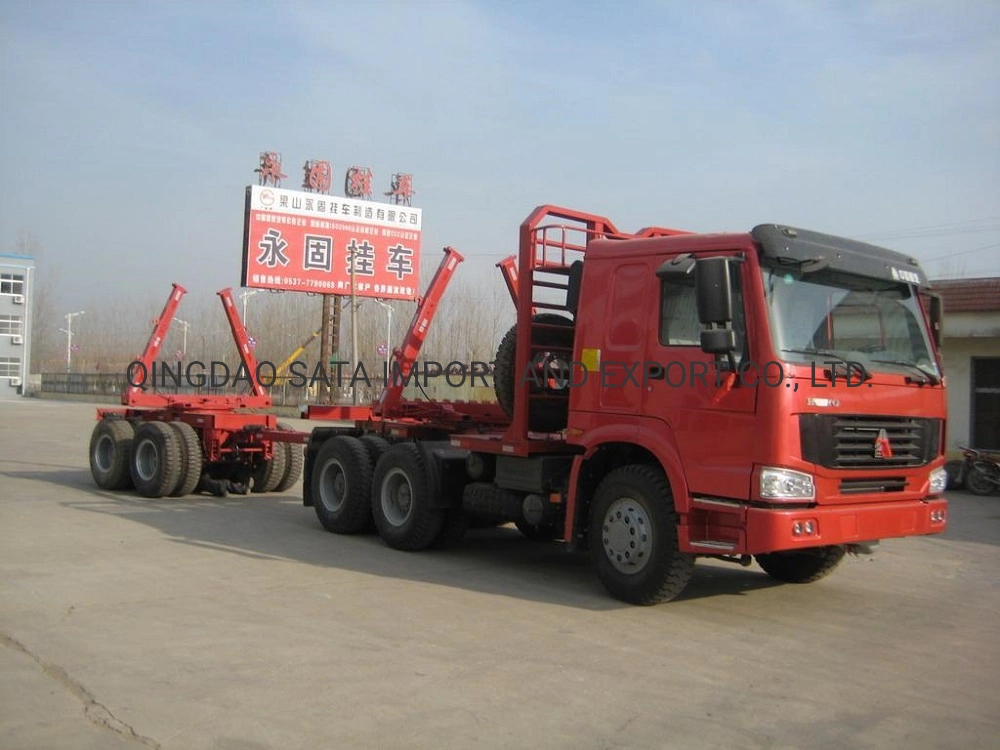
(305, 242)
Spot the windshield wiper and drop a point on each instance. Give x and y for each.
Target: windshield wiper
(930, 376)
(849, 364)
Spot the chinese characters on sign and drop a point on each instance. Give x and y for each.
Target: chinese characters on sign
(307, 242)
(269, 170)
(402, 189)
(319, 175)
(358, 183)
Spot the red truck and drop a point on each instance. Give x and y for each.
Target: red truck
(772, 395)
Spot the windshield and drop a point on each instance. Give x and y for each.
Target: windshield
(828, 315)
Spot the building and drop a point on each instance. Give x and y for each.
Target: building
(16, 277)
(971, 353)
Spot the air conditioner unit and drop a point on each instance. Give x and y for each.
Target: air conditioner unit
(15, 382)
(17, 340)
(18, 299)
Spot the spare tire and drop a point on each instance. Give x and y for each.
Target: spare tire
(544, 415)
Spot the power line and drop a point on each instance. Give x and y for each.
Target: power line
(963, 252)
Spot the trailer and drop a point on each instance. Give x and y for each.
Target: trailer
(171, 444)
(774, 395)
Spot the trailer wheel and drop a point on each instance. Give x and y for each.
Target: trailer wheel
(401, 499)
(110, 452)
(633, 537)
(268, 474)
(342, 485)
(156, 459)
(802, 566)
(548, 415)
(192, 460)
(294, 461)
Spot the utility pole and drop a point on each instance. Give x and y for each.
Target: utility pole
(68, 330)
(323, 396)
(388, 340)
(354, 330)
(184, 347)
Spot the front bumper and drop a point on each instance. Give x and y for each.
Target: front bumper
(772, 530)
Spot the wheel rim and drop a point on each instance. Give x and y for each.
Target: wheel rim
(396, 497)
(627, 535)
(332, 486)
(104, 453)
(147, 460)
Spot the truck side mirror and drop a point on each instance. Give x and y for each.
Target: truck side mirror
(713, 290)
(714, 296)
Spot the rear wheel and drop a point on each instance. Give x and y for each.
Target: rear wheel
(978, 479)
(269, 474)
(110, 452)
(294, 461)
(801, 566)
(156, 459)
(401, 499)
(342, 485)
(633, 537)
(192, 460)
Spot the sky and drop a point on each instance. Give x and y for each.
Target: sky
(130, 129)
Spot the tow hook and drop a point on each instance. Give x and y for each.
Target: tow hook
(862, 548)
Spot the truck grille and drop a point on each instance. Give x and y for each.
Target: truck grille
(843, 441)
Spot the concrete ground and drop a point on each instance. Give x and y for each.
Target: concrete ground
(239, 623)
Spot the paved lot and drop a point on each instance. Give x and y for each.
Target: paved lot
(239, 623)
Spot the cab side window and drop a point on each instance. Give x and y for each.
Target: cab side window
(679, 324)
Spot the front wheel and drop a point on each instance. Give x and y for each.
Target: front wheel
(633, 537)
(982, 478)
(802, 566)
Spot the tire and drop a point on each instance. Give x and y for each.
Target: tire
(192, 460)
(544, 415)
(401, 494)
(294, 461)
(802, 566)
(978, 478)
(633, 537)
(269, 474)
(375, 446)
(342, 485)
(156, 464)
(110, 453)
(546, 532)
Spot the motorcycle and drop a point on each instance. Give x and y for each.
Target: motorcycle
(980, 471)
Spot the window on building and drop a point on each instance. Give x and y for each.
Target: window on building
(10, 367)
(11, 325)
(11, 283)
(986, 402)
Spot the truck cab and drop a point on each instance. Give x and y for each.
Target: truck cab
(785, 381)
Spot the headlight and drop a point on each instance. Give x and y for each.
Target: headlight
(939, 481)
(785, 484)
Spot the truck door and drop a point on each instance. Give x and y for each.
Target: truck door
(709, 411)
